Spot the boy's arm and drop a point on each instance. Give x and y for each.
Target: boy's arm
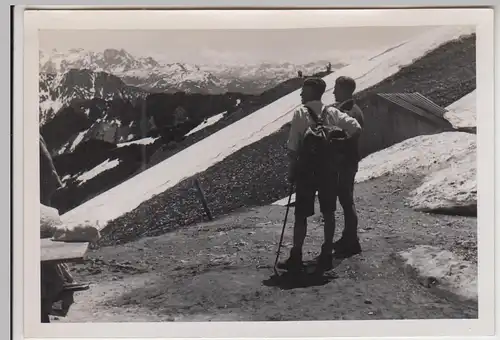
(295, 134)
(347, 123)
(293, 143)
(357, 113)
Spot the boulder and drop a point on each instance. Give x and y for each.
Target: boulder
(452, 190)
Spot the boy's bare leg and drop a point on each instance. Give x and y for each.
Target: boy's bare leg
(329, 231)
(294, 262)
(299, 232)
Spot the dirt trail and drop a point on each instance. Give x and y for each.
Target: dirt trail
(220, 271)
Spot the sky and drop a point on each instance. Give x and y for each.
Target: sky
(300, 45)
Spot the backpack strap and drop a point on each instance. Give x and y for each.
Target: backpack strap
(346, 105)
(314, 116)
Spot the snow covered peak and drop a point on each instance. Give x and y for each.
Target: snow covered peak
(110, 60)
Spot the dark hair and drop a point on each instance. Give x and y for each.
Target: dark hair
(347, 83)
(317, 84)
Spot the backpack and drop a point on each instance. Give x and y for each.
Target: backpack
(323, 147)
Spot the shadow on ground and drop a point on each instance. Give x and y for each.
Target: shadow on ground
(309, 277)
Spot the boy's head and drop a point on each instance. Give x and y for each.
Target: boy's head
(344, 88)
(312, 89)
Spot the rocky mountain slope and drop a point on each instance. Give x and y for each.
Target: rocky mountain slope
(74, 88)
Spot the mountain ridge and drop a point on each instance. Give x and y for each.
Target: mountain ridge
(155, 76)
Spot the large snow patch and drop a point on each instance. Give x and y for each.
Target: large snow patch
(207, 122)
(419, 155)
(448, 162)
(104, 166)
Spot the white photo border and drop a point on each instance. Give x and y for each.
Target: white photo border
(27, 186)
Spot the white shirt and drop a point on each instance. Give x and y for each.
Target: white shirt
(302, 120)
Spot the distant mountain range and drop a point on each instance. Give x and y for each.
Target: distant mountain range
(68, 77)
(152, 75)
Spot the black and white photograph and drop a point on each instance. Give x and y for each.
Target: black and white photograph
(315, 173)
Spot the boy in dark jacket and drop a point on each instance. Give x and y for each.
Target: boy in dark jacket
(348, 245)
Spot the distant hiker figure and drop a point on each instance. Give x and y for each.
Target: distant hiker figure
(311, 175)
(329, 67)
(300, 74)
(348, 245)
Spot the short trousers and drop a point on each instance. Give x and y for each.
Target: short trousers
(345, 187)
(305, 194)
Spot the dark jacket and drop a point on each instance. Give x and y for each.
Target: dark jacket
(353, 110)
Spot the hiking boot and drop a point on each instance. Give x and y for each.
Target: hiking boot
(325, 259)
(345, 249)
(293, 263)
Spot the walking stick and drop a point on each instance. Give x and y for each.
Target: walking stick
(283, 230)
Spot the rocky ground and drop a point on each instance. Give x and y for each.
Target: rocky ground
(222, 270)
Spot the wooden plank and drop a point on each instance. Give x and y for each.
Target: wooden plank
(54, 251)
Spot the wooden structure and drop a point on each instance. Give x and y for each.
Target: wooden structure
(61, 252)
(391, 118)
(418, 104)
(53, 253)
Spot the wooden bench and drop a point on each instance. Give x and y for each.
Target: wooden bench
(61, 252)
(54, 252)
